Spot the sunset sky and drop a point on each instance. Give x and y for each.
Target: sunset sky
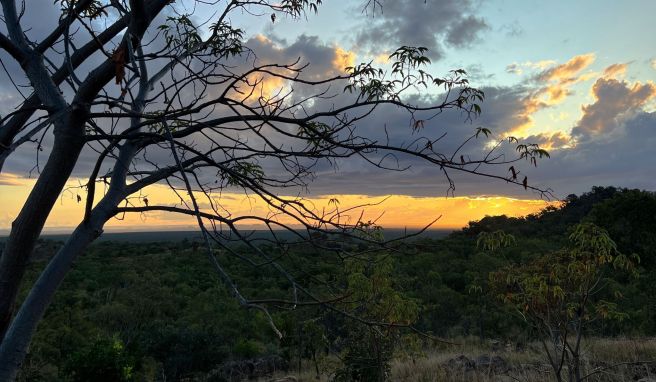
(575, 77)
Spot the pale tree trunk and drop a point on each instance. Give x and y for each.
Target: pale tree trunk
(69, 139)
(27, 227)
(17, 339)
(69, 122)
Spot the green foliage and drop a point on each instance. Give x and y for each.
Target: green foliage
(558, 294)
(316, 134)
(93, 9)
(248, 348)
(369, 230)
(168, 309)
(373, 84)
(296, 8)
(556, 288)
(244, 170)
(104, 359)
(161, 300)
(371, 342)
(490, 241)
(223, 41)
(532, 152)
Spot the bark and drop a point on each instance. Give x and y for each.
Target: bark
(27, 227)
(15, 124)
(69, 141)
(15, 344)
(17, 339)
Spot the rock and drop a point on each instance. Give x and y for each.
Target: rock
(250, 369)
(288, 378)
(643, 373)
(494, 364)
(461, 363)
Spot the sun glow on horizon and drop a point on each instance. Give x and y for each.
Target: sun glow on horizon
(390, 211)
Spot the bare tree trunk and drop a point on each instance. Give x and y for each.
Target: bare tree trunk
(69, 141)
(17, 339)
(27, 227)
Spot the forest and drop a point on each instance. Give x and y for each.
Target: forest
(157, 311)
(300, 140)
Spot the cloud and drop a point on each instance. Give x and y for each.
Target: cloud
(548, 88)
(514, 68)
(422, 178)
(518, 67)
(621, 159)
(576, 164)
(568, 71)
(434, 25)
(653, 63)
(513, 29)
(615, 70)
(8, 179)
(343, 59)
(324, 60)
(382, 58)
(614, 99)
(466, 32)
(551, 141)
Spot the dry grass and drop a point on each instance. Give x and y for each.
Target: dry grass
(599, 357)
(526, 365)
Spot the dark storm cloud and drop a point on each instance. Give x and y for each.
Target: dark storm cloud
(625, 159)
(307, 49)
(356, 176)
(618, 153)
(432, 24)
(465, 32)
(622, 154)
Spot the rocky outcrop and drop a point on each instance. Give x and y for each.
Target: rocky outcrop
(249, 369)
(483, 363)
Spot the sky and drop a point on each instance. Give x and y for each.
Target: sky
(575, 77)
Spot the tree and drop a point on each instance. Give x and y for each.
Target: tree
(628, 215)
(104, 360)
(149, 93)
(558, 294)
(368, 350)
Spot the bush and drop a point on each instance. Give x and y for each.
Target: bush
(105, 359)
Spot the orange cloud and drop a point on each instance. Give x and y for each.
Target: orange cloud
(615, 70)
(558, 80)
(268, 87)
(550, 142)
(613, 99)
(569, 69)
(382, 58)
(343, 59)
(263, 39)
(556, 94)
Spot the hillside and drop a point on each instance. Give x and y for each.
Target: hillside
(157, 311)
